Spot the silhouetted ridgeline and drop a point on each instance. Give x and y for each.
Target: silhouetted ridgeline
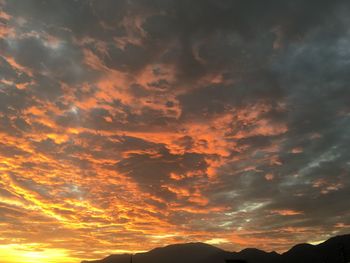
(334, 250)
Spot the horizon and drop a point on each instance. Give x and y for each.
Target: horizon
(126, 125)
(201, 243)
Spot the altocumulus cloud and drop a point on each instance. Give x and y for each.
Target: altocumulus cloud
(124, 121)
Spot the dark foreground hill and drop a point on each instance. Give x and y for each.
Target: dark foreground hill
(334, 250)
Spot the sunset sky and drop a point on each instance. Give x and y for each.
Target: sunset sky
(133, 124)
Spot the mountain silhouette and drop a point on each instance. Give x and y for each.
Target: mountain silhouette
(334, 250)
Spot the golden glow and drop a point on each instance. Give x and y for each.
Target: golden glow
(34, 253)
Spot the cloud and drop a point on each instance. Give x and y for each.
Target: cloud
(126, 125)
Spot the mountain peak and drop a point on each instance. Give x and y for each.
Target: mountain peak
(337, 239)
(334, 250)
(186, 246)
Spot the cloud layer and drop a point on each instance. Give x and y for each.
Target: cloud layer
(127, 125)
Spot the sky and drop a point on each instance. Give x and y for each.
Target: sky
(133, 124)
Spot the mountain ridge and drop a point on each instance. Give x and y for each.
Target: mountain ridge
(333, 250)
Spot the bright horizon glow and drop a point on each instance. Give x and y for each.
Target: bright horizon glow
(34, 253)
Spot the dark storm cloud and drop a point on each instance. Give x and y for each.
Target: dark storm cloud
(256, 86)
(79, 17)
(58, 60)
(245, 17)
(13, 100)
(238, 24)
(156, 168)
(183, 22)
(9, 73)
(129, 59)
